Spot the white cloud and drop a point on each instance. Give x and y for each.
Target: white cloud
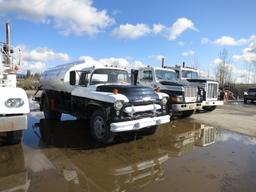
(248, 55)
(69, 16)
(113, 61)
(35, 60)
(217, 61)
(129, 31)
(157, 28)
(230, 41)
(188, 53)
(180, 25)
(34, 67)
(43, 54)
(157, 57)
(204, 40)
(181, 43)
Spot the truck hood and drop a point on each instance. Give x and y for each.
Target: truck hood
(171, 83)
(200, 80)
(133, 93)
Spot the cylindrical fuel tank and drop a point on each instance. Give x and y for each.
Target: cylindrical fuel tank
(57, 78)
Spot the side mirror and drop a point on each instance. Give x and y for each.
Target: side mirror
(134, 76)
(72, 78)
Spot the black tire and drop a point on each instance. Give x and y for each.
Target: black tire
(149, 130)
(186, 114)
(100, 130)
(209, 108)
(48, 112)
(14, 137)
(245, 101)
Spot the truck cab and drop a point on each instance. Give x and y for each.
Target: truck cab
(104, 96)
(14, 105)
(210, 88)
(182, 96)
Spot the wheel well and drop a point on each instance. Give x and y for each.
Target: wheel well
(92, 108)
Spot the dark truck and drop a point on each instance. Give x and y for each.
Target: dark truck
(104, 96)
(250, 95)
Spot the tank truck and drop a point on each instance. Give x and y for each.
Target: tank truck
(102, 95)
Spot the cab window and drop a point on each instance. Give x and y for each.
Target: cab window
(147, 75)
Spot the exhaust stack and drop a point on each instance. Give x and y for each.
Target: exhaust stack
(8, 43)
(183, 64)
(162, 62)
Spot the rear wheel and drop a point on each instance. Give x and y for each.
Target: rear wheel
(48, 112)
(100, 130)
(14, 137)
(209, 108)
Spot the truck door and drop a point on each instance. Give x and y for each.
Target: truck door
(146, 78)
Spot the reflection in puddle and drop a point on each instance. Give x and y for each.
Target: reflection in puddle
(130, 164)
(183, 155)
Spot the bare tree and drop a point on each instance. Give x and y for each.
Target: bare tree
(224, 69)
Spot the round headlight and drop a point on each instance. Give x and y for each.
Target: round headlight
(14, 103)
(118, 105)
(164, 100)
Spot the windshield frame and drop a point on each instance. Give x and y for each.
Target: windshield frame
(189, 74)
(173, 73)
(108, 72)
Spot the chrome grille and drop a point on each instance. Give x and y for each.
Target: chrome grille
(190, 91)
(207, 136)
(212, 90)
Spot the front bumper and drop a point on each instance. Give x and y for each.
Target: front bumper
(212, 103)
(13, 123)
(183, 107)
(139, 124)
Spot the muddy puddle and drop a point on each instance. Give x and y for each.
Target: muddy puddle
(184, 155)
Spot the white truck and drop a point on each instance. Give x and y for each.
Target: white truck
(104, 96)
(209, 87)
(14, 105)
(182, 96)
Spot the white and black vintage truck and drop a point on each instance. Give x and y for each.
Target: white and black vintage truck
(209, 87)
(103, 95)
(14, 105)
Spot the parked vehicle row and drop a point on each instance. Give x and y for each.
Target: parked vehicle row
(115, 102)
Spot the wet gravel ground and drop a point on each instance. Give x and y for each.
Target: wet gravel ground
(184, 155)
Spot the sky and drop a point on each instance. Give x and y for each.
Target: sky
(133, 32)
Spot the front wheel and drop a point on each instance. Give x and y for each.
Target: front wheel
(48, 112)
(245, 101)
(209, 108)
(100, 130)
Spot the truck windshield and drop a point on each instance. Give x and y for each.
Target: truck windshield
(164, 75)
(189, 74)
(100, 76)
